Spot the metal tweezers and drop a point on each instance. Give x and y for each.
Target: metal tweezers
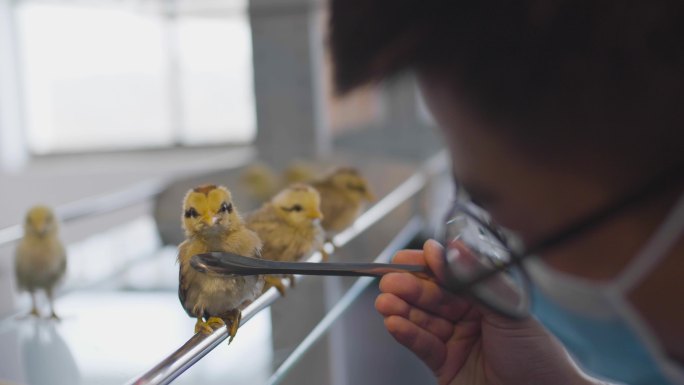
(232, 264)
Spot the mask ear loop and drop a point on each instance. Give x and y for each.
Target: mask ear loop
(655, 250)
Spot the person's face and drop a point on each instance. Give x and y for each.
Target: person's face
(532, 196)
(536, 197)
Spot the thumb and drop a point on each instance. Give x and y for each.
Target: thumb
(435, 259)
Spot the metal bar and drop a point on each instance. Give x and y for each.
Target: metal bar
(8, 320)
(409, 231)
(105, 203)
(94, 205)
(11, 234)
(199, 345)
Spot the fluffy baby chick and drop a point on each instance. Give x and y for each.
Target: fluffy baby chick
(212, 223)
(260, 181)
(289, 224)
(298, 172)
(40, 257)
(344, 193)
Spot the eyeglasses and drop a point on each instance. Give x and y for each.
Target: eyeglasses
(484, 262)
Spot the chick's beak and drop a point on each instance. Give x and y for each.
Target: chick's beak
(209, 221)
(41, 230)
(315, 214)
(43, 227)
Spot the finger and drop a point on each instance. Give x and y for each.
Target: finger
(433, 254)
(423, 344)
(409, 257)
(425, 294)
(389, 305)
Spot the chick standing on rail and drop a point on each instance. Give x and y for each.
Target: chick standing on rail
(40, 257)
(288, 224)
(212, 223)
(344, 193)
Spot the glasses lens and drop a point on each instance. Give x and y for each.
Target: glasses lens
(472, 250)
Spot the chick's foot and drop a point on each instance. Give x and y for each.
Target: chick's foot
(215, 322)
(291, 278)
(32, 314)
(202, 327)
(273, 281)
(232, 320)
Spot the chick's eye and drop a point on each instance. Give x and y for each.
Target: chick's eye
(297, 208)
(191, 213)
(356, 187)
(226, 208)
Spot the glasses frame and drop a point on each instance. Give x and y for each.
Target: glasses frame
(658, 185)
(458, 285)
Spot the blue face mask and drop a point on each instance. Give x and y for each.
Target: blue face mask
(596, 322)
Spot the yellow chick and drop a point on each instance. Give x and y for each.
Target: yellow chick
(298, 172)
(260, 181)
(40, 257)
(344, 193)
(289, 225)
(212, 223)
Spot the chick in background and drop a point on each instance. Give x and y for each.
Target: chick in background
(260, 181)
(212, 223)
(344, 193)
(298, 172)
(288, 225)
(40, 260)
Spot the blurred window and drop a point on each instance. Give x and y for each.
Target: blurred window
(124, 75)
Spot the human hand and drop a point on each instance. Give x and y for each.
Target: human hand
(462, 342)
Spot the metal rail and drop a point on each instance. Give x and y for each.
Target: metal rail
(93, 206)
(105, 203)
(410, 231)
(200, 345)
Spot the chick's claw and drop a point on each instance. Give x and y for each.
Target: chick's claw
(325, 256)
(273, 281)
(202, 327)
(215, 322)
(232, 320)
(291, 278)
(32, 314)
